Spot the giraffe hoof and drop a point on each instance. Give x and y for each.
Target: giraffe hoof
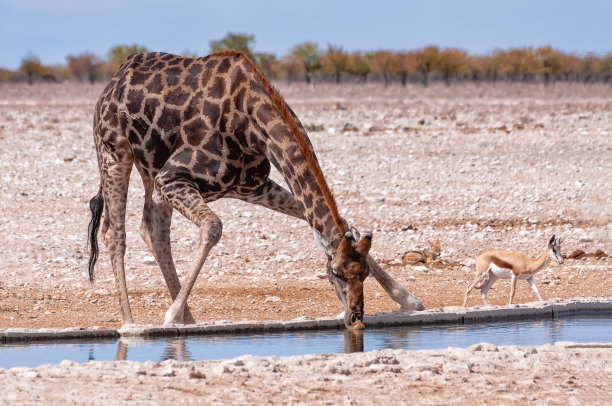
(173, 316)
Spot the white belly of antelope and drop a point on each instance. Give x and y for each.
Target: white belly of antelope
(506, 273)
(501, 273)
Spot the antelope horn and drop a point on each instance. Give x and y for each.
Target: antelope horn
(363, 246)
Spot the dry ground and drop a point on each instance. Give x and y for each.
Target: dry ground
(477, 167)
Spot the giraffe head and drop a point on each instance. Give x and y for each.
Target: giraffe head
(346, 270)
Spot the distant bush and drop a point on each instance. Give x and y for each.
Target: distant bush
(306, 61)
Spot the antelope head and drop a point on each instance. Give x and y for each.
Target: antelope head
(346, 270)
(554, 249)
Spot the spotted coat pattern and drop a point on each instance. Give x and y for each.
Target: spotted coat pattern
(198, 130)
(209, 123)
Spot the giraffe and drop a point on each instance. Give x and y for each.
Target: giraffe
(201, 129)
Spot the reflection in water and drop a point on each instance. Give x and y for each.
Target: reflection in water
(511, 332)
(175, 348)
(353, 341)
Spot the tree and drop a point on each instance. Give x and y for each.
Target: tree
(117, 55)
(427, 61)
(5, 74)
(407, 65)
(450, 62)
(385, 63)
(31, 66)
(237, 42)
(265, 62)
(549, 62)
(309, 56)
(84, 65)
(335, 61)
(589, 65)
(359, 64)
(605, 66)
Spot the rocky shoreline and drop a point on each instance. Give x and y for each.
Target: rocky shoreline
(560, 374)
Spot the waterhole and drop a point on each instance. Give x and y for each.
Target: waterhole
(523, 333)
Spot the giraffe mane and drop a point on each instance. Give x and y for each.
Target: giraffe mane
(308, 153)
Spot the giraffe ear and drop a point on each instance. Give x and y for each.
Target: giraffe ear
(344, 249)
(363, 246)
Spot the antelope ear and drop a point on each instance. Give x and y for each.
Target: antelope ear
(363, 246)
(552, 240)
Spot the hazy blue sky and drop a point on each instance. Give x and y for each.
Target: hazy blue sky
(52, 29)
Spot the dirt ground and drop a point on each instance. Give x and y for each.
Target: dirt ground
(475, 166)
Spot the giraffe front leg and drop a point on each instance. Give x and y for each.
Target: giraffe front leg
(274, 197)
(155, 231)
(397, 292)
(183, 196)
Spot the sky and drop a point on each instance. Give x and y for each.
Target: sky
(53, 29)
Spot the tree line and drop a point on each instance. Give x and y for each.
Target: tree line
(308, 62)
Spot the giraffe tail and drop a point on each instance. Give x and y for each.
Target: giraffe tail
(96, 205)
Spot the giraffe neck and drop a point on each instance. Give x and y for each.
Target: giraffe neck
(285, 154)
(287, 146)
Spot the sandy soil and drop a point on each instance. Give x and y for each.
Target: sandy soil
(475, 166)
(481, 374)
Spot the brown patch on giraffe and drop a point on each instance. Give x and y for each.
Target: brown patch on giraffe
(169, 119)
(217, 90)
(155, 85)
(238, 79)
(212, 112)
(225, 62)
(196, 131)
(139, 78)
(191, 79)
(134, 101)
(177, 97)
(173, 76)
(150, 107)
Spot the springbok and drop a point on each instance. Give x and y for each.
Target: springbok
(494, 264)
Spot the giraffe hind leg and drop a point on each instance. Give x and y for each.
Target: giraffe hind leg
(116, 178)
(183, 196)
(155, 231)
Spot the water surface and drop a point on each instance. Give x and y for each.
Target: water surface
(523, 333)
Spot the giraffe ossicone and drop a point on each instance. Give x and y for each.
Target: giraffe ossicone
(201, 129)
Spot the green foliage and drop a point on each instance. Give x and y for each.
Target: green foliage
(335, 61)
(237, 42)
(359, 64)
(117, 55)
(31, 66)
(5, 75)
(428, 63)
(308, 54)
(266, 63)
